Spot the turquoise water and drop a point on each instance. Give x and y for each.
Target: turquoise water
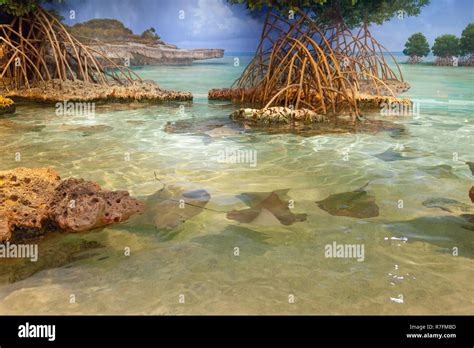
(408, 249)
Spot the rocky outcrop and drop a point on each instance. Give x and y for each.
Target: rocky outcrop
(141, 54)
(79, 205)
(56, 90)
(367, 97)
(35, 200)
(277, 114)
(7, 106)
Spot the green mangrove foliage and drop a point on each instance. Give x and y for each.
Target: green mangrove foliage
(416, 47)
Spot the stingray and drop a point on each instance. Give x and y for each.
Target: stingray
(358, 204)
(441, 171)
(444, 231)
(390, 155)
(266, 208)
(449, 205)
(171, 206)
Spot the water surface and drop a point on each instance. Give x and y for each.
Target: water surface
(408, 249)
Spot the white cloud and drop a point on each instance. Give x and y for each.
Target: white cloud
(215, 18)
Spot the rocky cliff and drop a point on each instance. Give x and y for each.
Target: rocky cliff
(141, 54)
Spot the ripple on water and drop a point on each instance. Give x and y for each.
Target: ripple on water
(126, 146)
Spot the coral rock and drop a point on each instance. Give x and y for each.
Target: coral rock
(82, 205)
(32, 200)
(22, 198)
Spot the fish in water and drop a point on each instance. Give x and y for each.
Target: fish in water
(266, 208)
(358, 204)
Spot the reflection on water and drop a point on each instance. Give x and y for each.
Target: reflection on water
(250, 261)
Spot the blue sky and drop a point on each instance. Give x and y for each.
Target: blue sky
(216, 24)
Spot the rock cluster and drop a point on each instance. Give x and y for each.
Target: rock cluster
(58, 90)
(7, 106)
(33, 200)
(278, 114)
(391, 87)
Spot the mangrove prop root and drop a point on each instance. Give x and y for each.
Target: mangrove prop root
(38, 48)
(302, 64)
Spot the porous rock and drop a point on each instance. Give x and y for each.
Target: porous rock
(35, 200)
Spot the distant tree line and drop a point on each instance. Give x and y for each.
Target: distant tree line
(448, 49)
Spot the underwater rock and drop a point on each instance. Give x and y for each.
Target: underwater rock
(172, 206)
(358, 204)
(448, 205)
(266, 208)
(33, 200)
(471, 194)
(341, 124)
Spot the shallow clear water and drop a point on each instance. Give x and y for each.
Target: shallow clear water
(408, 250)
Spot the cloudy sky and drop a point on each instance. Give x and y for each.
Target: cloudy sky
(216, 24)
